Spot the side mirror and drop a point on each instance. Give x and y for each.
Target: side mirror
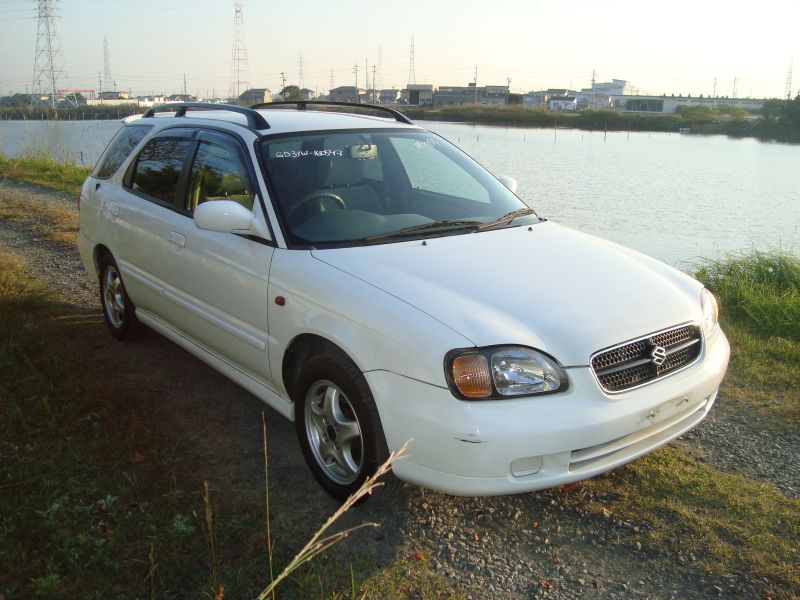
(224, 216)
(509, 182)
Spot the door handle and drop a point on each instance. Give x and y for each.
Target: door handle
(177, 238)
(114, 210)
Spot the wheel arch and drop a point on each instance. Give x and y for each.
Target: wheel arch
(100, 251)
(299, 351)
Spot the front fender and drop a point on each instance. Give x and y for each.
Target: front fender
(377, 330)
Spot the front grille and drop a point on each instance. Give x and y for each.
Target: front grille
(632, 364)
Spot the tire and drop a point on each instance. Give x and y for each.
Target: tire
(119, 311)
(338, 426)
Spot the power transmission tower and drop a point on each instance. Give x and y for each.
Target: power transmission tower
(412, 70)
(714, 94)
(735, 79)
(239, 54)
(300, 75)
(47, 65)
(789, 79)
(107, 64)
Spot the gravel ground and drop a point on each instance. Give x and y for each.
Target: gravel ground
(525, 546)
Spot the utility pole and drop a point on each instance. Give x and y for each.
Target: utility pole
(374, 75)
(476, 84)
(714, 94)
(283, 81)
(332, 83)
(593, 82)
(100, 82)
(355, 70)
(508, 90)
(734, 87)
(185, 95)
(789, 79)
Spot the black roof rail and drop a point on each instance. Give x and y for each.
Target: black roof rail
(255, 120)
(303, 104)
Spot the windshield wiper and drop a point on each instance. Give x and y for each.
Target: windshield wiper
(433, 227)
(507, 218)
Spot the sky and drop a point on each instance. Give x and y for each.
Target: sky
(678, 47)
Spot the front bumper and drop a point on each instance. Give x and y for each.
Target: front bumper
(483, 448)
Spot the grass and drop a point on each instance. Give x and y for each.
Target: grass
(759, 297)
(727, 522)
(100, 499)
(50, 220)
(45, 171)
(758, 291)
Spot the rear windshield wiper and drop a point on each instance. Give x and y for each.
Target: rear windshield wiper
(507, 218)
(433, 227)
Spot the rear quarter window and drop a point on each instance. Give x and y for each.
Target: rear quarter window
(120, 147)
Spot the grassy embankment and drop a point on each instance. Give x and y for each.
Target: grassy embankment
(780, 120)
(728, 522)
(43, 170)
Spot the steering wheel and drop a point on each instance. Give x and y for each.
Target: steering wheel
(317, 195)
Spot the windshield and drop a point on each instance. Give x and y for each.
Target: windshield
(338, 188)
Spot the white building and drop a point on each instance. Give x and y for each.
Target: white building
(563, 103)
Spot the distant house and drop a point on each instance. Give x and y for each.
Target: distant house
(255, 96)
(181, 98)
(563, 103)
(389, 96)
(418, 94)
(347, 93)
(307, 94)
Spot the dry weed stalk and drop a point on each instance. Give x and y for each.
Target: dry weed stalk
(318, 544)
(266, 494)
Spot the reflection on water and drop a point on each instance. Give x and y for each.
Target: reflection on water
(675, 197)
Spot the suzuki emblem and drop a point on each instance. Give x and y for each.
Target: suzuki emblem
(659, 355)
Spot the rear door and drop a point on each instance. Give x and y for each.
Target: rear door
(141, 210)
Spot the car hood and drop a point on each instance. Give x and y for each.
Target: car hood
(546, 286)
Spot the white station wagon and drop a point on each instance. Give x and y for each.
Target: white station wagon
(368, 280)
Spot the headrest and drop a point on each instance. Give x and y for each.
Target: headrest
(340, 171)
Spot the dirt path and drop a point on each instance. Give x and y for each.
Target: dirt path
(509, 547)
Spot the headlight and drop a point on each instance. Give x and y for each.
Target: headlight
(502, 372)
(710, 311)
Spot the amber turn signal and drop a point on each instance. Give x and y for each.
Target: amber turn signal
(471, 376)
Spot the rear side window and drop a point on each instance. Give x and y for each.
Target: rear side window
(119, 148)
(158, 168)
(218, 173)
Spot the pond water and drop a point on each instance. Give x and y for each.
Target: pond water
(674, 197)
